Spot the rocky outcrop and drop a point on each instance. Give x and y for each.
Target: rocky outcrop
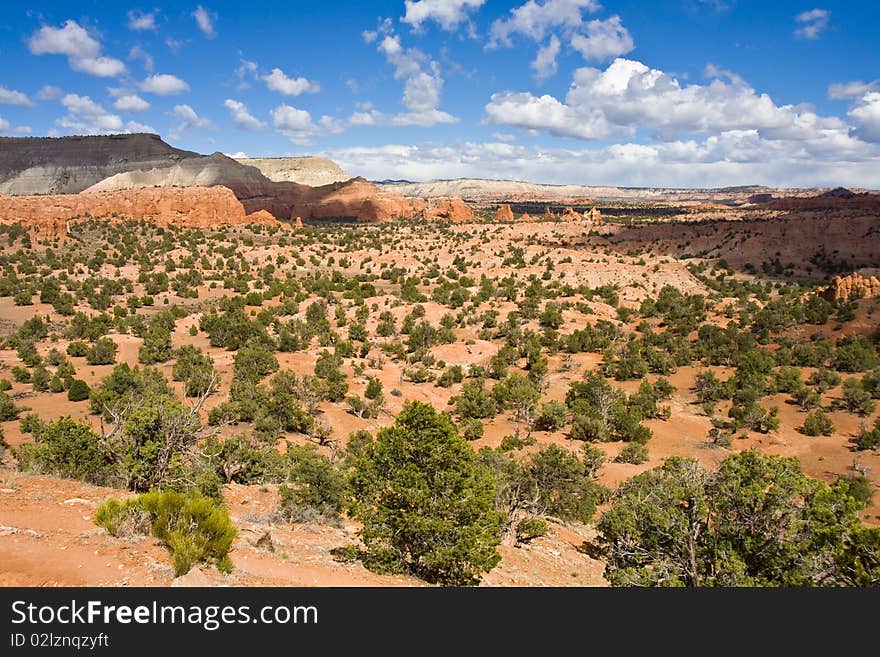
(50, 217)
(504, 213)
(853, 286)
(67, 165)
(548, 213)
(312, 171)
(570, 214)
(525, 217)
(593, 215)
(450, 210)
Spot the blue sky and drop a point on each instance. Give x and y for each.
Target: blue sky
(669, 93)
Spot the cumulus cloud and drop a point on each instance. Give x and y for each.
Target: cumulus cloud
(8, 130)
(603, 39)
(628, 96)
(866, 115)
(86, 117)
(448, 14)
(205, 20)
(734, 159)
(140, 20)
(854, 89)
(278, 81)
(186, 120)
(49, 92)
(298, 126)
(535, 20)
(595, 40)
(83, 52)
(811, 23)
(163, 84)
(138, 53)
(131, 103)
(545, 61)
(11, 97)
(423, 83)
(242, 116)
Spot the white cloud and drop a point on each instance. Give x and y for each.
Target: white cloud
(298, 126)
(866, 115)
(140, 20)
(138, 53)
(242, 117)
(205, 20)
(603, 39)
(86, 117)
(82, 51)
(237, 155)
(503, 136)
(854, 89)
(628, 96)
(545, 61)
(278, 81)
(11, 97)
(49, 92)
(163, 84)
(7, 130)
(423, 84)
(131, 103)
(535, 20)
(811, 23)
(732, 159)
(186, 121)
(449, 14)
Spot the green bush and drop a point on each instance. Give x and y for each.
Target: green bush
(318, 490)
(529, 529)
(818, 423)
(194, 528)
(78, 391)
(103, 352)
(425, 503)
(635, 453)
(66, 448)
(471, 428)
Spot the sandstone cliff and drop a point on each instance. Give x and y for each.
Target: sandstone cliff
(67, 165)
(312, 171)
(49, 217)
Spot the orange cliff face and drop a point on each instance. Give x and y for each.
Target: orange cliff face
(853, 286)
(48, 217)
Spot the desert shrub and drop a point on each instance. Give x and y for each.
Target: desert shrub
(529, 529)
(869, 438)
(103, 352)
(635, 453)
(552, 417)
(194, 528)
(317, 490)
(157, 344)
(425, 502)
(78, 390)
(66, 448)
(451, 375)
(818, 423)
(195, 369)
(856, 399)
(471, 428)
(8, 409)
(475, 401)
(754, 521)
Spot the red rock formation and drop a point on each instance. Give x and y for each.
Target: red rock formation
(548, 213)
(299, 222)
(49, 217)
(504, 213)
(449, 210)
(593, 215)
(853, 286)
(570, 214)
(525, 217)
